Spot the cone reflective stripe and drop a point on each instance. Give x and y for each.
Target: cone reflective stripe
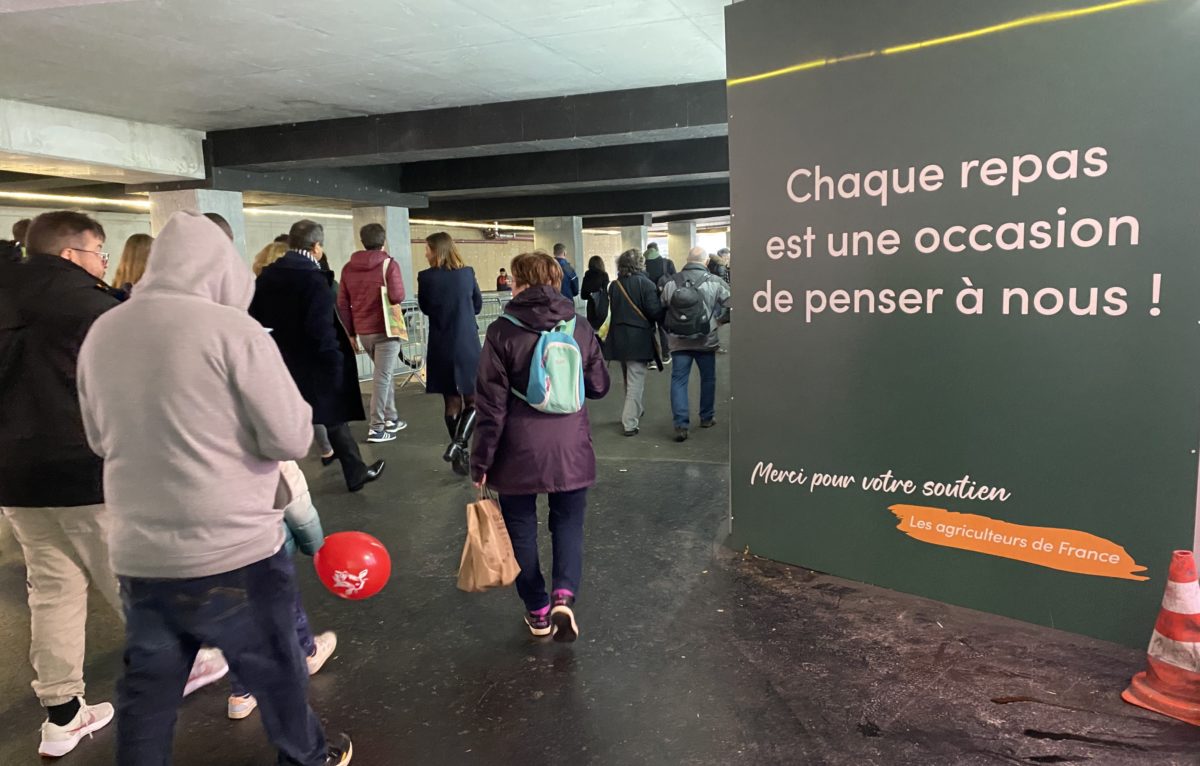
(1171, 682)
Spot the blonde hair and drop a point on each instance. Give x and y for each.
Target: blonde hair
(536, 268)
(443, 254)
(133, 260)
(268, 255)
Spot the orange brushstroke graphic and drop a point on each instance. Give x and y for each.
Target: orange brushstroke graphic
(1068, 550)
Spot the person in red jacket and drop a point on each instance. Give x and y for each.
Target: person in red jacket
(360, 306)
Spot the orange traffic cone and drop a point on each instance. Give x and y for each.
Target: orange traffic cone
(1171, 682)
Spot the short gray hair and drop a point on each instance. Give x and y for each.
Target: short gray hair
(697, 255)
(630, 262)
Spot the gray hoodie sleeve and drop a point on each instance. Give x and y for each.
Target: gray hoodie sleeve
(277, 417)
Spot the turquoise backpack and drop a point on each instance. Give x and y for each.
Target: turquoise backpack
(555, 370)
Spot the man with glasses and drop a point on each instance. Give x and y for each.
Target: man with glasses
(50, 480)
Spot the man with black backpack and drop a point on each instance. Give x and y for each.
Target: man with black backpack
(695, 301)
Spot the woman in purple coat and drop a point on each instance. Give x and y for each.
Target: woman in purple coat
(449, 295)
(520, 452)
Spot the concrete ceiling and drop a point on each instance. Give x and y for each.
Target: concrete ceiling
(213, 64)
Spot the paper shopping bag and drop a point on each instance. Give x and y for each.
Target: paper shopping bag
(487, 559)
(393, 314)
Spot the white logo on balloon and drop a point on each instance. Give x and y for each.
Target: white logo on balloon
(348, 583)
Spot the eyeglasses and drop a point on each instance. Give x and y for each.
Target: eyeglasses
(103, 255)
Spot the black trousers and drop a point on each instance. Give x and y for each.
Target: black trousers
(345, 449)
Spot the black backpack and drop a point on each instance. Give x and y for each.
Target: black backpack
(687, 313)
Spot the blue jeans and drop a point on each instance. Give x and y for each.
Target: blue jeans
(566, 536)
(249, 614)
(681, 370)
(303, 634)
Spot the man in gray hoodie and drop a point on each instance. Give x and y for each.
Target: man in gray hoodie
(192, 421)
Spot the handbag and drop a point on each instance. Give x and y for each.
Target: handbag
(658, 354)
(393, 315)
(488, 560)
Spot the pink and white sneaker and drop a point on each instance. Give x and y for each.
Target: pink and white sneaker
(57, 741)
(209, 667)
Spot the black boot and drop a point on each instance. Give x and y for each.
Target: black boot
(451, 425)
(459, 451)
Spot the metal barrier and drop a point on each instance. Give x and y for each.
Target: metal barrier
(412, 351)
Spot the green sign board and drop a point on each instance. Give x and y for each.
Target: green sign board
(967, 259)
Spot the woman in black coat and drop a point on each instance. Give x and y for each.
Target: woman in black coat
(448, 294)
(636, 310)
(293, 301)
(595, 292)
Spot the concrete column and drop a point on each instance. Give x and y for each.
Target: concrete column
(394, 220)
(681, 237)
(227, 204)
(635, 238)
(569, 231)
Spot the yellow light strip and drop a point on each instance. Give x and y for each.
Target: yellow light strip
(469, 225)
(70, 200)
(1041, 18)
(297, 213)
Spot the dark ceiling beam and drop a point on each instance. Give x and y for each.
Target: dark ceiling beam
(663, 113)
(587, 204)
(664, 160)
(369, 186)
(617, 221)
(692, 215)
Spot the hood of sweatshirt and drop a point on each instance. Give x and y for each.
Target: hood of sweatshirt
(540, 307)
(651, 253)
(367, 260)
(192, 256)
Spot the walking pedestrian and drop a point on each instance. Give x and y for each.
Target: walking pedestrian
(636, 311)
(360, 305)
(133, 262)
(293, 301)
(595, 292)
(695, 302)
(302, 531)
(521, 452)
(196, 540)
(659, 269)
(51, 482)
(570, 280)
(449, 295)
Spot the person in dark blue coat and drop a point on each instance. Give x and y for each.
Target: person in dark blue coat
(293, 301)
(448, 294)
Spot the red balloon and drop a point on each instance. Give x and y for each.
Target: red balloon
(353, 565)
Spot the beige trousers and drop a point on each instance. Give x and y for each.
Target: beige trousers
(65, 550)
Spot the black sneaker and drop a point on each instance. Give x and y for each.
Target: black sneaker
(681, 434)
(340, 751)
(539, 624)
(633, 432)
(562, 616)
(708, 423)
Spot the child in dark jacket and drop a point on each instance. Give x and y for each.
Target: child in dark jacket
(521, 452)
(302, 529)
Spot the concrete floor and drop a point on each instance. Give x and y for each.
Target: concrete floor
(689, 654)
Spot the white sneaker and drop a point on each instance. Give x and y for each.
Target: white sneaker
(210, 666)
(240, 707)
(394, 426)
(326, 643)
(57, 740)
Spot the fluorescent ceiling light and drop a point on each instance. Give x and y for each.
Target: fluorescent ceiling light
(138, 204)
